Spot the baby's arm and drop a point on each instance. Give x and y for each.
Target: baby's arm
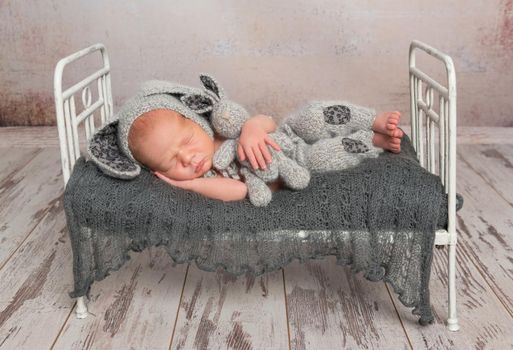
(219, 187)
(264, 121)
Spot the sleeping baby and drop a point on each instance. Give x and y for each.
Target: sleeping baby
(181, 152)
(199, 140)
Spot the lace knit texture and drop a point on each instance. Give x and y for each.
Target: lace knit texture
(379, 217)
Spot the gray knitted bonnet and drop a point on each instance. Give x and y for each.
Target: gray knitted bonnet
(108, 148)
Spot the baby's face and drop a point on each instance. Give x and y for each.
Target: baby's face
(179, 148)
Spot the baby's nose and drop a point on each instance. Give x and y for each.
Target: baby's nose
(188, 157)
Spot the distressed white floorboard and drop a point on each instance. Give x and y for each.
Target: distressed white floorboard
(221, 311)
(34, 303)
(330, 308)
(13, 160)
(134, 308)
(25, 196)
(486, 174)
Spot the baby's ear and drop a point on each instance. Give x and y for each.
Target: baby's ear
(199, 103)
(212, 86)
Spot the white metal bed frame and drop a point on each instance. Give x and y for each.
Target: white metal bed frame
(424, 121)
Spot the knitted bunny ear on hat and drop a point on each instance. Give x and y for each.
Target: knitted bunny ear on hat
(108, 148)
(104, 152)
(198, 100)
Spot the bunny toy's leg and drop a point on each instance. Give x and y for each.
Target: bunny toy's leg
(258, 192)
(293, 174)
(341, 152)
(325, 119)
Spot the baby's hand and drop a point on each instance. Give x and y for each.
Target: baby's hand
(185, 184)
(253, 145)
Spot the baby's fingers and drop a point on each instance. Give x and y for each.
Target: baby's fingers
(240, 150)
(251, 158)
(265, 152)
(257, 153)
(270, 141)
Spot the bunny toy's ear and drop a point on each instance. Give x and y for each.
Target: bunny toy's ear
(212, 86)
(105, 153)
(199, 103)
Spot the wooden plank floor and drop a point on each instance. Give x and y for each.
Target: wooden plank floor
(150, 303)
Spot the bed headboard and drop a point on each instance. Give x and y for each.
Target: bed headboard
(71, 115)
(433, 122)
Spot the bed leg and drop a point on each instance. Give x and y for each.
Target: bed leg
(452, 321)
(81, 310)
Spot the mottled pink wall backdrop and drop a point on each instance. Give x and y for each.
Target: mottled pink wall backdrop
(271, 56)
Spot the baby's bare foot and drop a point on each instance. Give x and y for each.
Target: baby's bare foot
(393, 144)
(386, 123)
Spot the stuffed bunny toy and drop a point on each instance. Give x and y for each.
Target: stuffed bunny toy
(321, 136)
(227, 118)
(284, 165)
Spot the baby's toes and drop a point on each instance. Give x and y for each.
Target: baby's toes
(397, 133)
(393, 119)
(395, 147)
(391, 129)
(395, 141)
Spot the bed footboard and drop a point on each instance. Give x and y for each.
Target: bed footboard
(433, 131)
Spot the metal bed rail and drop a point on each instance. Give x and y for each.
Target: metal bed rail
(425, 120)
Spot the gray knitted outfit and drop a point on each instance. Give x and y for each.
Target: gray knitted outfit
(324, 136)
(336, 134)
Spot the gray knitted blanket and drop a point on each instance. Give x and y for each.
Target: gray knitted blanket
(379, 217)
